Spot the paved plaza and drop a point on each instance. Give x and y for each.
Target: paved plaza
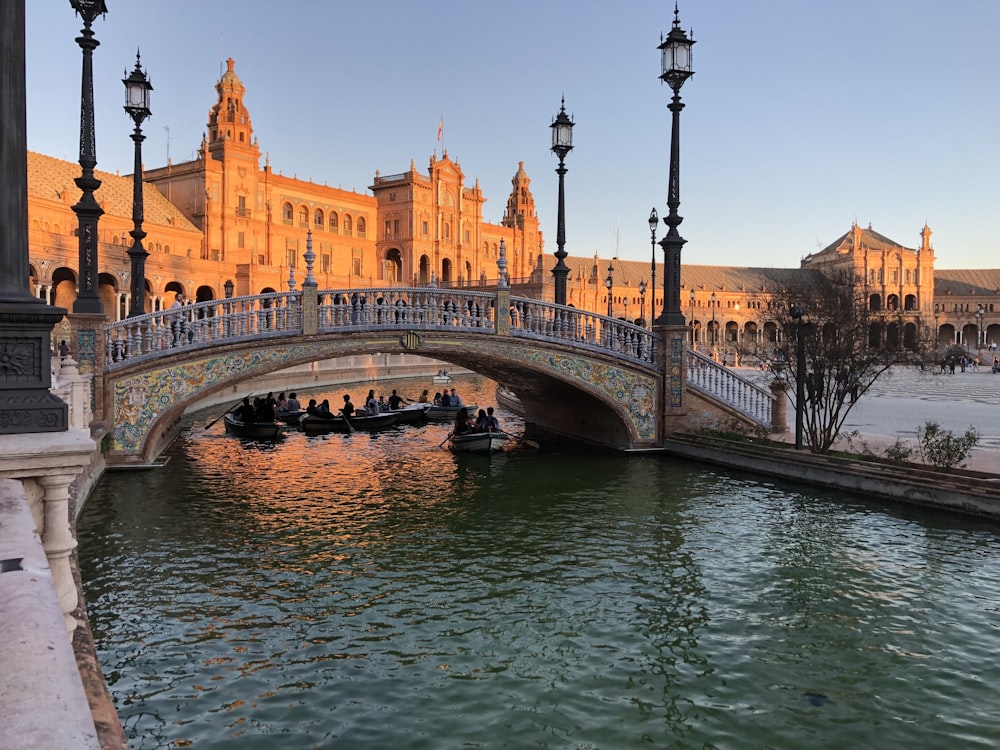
(904, 399)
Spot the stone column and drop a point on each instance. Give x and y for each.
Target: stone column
(57, 539)
(779, 406)
(672, 362)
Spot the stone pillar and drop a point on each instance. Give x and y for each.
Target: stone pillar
(310, 309)
(91, 348)
(503, 311)
(57, 539)
(779, 406)
(672, 362)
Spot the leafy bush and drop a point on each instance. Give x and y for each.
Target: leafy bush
(942, 448)
(899, 452)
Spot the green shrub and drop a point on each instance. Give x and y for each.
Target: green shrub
(942, 448)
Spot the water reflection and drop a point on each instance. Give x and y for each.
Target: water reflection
(378, 591)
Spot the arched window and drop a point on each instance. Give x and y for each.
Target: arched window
(303, 217)
(347, 223)
(333, 221)
(286, 213)
(319, 220)
(362, 226)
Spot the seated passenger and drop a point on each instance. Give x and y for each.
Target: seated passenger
(462, 424)
(482, 422)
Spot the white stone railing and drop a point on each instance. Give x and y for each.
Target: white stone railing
(724, 384)
(422, 308)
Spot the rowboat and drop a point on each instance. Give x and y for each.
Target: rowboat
(313, 425)
(478, 442)
(411, 413)
(255, 430)
(291, 417)
(442, 378)
(447, 413)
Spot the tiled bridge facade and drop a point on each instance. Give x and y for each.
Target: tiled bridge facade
(578, 374)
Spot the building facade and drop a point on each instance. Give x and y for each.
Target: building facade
(225, 217)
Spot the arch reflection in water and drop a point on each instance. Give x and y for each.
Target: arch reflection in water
(374, 591)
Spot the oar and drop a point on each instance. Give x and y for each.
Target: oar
(228, 409)
(446, 437)
(529, 443)
(350, 427)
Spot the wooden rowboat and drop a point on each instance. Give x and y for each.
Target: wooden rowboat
(411, 413)
(448, 413)
(478, 442)
(313, 425)
(254, 430)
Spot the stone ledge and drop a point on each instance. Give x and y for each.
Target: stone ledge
(971, 493)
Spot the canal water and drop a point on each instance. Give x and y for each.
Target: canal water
(377, 591)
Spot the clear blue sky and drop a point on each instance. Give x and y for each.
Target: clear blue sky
(801, 118)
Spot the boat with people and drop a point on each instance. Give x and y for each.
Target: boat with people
(313, 424)
(411, 413)
(442, 378)
(253, 430)
(478, 442)
(437, 413)
(291, 417)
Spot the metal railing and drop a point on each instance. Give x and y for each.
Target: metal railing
(724, 384)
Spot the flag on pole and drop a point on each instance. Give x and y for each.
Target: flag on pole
(440, 127)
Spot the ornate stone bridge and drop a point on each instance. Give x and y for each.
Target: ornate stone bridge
(576, 373)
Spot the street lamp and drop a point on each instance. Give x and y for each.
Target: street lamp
(562, 144)
(87, 210)
(714, 336)
(137, 88)
(642, 302)
(692, 319)
(654, 220)
(229, 286)
(797, 314)
(980, 336)
(610, 282)
(675, 69)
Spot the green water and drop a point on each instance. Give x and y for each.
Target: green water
(376, 591)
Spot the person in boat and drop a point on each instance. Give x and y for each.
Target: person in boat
(423, 397)
(382, 405)
(462, 423)
(348, 409)
(493, 422)
(268, 410)
(371, 404)
(313, 409)
(244, 412)
(293, 403)
(324, 409)
(282, 402)
(454, 399)
(395, 401)
(482, 423)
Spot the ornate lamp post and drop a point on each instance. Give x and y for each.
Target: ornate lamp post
(980, 334)
(562, 144)
(610, 282)
(137, 88)
(228, 287)
(675, 66)
(691, 318)
(653, 221)
(642, 302)
(797, 314)
(937, 329)
(87, 210)
(715, 335)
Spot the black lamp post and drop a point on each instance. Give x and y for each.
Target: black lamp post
(937, 330)
(980, 335)
(692, 319)
(653, 221)
(562, 144)
(675, 69)
(715, 336)
(229, 286)
(88, 211)
(642, 302)
(609, 282)
(137, 88)
(797, 314)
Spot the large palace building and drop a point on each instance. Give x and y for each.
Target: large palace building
(223, 217)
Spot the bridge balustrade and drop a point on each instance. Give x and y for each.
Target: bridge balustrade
(405, 307)
(547, 320)
(202, 325)
(738, 392)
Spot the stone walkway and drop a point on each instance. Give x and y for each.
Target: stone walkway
(904, 399)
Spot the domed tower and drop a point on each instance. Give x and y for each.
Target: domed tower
(228, 120)
(522, 217)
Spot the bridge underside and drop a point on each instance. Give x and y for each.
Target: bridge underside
(586, 396)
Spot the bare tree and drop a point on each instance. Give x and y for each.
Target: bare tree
(844, 350)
